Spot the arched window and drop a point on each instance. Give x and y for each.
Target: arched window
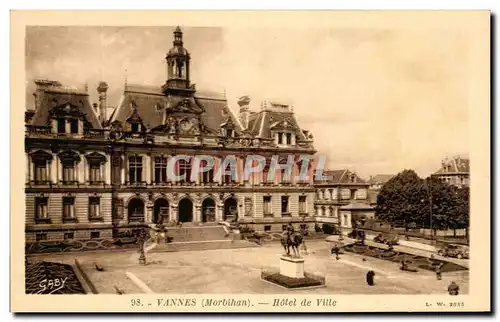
(136, 210)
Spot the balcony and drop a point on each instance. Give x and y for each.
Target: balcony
(98, 183)
(38, 130)
(68, 219)
(73, 183)
(94, 134)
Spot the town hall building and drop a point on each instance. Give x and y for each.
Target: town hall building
(89, 175)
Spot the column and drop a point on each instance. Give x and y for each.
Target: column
(28, 168)
(293, 139)
(81, 170)
(197, 214)
(320, 211)
(80, 127)
(67, 126)
(107, 170)
(59, 169)
(219, 208)
(54, 126)
(328, 212)
(149, 212)
(174, 213)
(276, 137)
(147, 168)
(123, 165)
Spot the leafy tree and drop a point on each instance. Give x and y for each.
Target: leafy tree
(401, 200)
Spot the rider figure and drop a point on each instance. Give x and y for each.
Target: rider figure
(289, 230)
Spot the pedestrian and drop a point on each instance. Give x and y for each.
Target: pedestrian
(453, 289)
(370, 278)
(403, 265)
(438, 273)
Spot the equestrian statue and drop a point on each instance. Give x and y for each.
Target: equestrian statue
(291, 239)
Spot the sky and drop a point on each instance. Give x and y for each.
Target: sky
(376, 100)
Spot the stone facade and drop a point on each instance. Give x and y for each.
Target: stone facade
(89, 176)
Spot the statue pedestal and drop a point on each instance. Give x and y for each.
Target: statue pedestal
(292, 267)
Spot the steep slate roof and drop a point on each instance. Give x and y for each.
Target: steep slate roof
(457, 164)
(342, 177)
(380, 178)
(54, 96)
(275, 118)
(152, 105)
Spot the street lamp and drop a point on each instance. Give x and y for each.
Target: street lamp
(429, 189)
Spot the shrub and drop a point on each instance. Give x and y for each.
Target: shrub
(328, 229)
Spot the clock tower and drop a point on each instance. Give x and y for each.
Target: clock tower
(178, 59)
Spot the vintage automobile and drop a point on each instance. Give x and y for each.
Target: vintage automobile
(454, 250)
(388, 239)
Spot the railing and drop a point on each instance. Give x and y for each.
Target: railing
(37, 129)
(94, 133)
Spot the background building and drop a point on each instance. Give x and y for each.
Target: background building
(454, 171)
(342, 199)
(91, 176)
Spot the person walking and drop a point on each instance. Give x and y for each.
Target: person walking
(438, 272)
(370, 278)
(453, 289)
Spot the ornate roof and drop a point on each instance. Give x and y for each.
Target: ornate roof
(153, 107)
(53, 97)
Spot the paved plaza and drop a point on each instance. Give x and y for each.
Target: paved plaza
(238, 271)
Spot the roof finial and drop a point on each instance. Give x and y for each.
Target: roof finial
(86, 86)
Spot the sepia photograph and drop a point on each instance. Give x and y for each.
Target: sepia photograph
(195, 163)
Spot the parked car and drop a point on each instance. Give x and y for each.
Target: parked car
(453, 250)
(388, 239)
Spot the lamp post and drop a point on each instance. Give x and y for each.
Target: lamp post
(429, 189)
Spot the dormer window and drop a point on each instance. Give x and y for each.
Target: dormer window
(280, 138)
(74, 126)
(135, 127)
(229, 132)
(61, 126)
(289, 138)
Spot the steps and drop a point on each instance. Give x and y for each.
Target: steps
(197, 233)
(201, 245)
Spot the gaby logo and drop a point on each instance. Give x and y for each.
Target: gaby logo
(301, 165)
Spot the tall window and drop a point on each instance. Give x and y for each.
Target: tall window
(229, 175)
(302, 204)
(207, 176)
(289, 138)
(160, 170)
(185, 169)
(68, 171)
(68, 208)
(74, 126)
(94, 203)
(280, 138)
(267, 205)
(353, 194)
(95, 172)
(229, 133)
(135, 169)
(41, 206)
(41, 171)
(265, 172)
(61, 126)
(284, 177)
(284, 205)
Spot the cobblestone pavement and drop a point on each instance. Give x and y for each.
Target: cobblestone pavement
(238, 271)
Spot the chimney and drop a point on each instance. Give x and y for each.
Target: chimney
(244, 103)
(102, 90)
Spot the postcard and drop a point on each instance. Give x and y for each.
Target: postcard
(260, 161)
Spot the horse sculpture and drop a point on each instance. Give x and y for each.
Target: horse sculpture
(293, 241)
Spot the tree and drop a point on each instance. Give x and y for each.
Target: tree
(461, 218)
(401, 199)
